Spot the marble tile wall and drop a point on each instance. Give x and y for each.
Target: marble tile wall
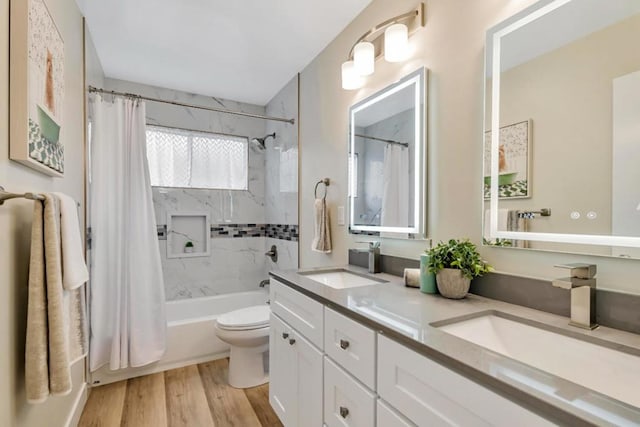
(233, 264)
(281, 187)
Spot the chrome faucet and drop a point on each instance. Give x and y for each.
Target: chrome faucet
(583, 293)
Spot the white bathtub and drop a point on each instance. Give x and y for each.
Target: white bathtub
(190, 334)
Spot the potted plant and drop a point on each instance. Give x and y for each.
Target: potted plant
(188, 247)
(455, 263)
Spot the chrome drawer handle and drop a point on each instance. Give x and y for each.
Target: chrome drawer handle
(285, 335)
(292, 341)
(344, 412)
(344, 344)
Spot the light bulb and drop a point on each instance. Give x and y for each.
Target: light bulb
(350, 77)
(364, 58)
(396, 43)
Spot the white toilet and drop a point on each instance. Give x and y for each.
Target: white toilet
(247, 331)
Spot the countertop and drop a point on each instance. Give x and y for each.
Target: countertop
(406, 315)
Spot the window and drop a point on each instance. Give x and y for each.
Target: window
(191, 159)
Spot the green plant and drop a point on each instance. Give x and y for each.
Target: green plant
(458, 254)
(188, 245)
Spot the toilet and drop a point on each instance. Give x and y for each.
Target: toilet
(247, 332)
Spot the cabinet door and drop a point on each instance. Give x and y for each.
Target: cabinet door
(308, 382)
(388, 417)
(299, 311)
(431, 395)
(282, 393)
(347, 403)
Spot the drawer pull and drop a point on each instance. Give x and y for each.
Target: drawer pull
(344, 344)
(292, 341)
(344, 412)
(285, 335)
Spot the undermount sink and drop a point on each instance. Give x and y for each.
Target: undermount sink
(340, 278)
(605, 370)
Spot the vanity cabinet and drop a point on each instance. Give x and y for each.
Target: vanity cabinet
(429, 394)
(351, 345)
(299, 311)
(347, 403)
(295, 366)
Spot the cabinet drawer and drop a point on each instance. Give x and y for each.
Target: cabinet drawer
(347, 403)
(431, 395)
(388, 417)
(352, 345)
(299, 311)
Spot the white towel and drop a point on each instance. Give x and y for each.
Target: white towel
(74, 268)
(322, 237)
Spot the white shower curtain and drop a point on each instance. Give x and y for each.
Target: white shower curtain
(395, 197)
(128, 320)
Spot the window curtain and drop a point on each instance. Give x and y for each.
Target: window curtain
(395, 198)
(128, 321)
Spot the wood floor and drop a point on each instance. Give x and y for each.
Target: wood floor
(194, 396)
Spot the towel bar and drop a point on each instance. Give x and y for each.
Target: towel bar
(326, 183)
(5, 195)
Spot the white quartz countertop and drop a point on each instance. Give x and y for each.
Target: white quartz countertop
(406, 315)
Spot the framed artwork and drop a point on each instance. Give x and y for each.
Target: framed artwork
(514, 180)
(37, 88)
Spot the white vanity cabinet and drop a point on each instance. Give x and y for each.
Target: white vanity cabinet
(431, 395)
(347, 403)
(295, 356)
(295, 365)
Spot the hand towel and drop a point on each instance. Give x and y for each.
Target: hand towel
(322, 231)
(47, 368)
(516, 223)
(74, 268)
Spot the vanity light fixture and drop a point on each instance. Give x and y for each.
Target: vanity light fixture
(389, 38)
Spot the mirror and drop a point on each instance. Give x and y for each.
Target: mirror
(386, 157)
(563, 90)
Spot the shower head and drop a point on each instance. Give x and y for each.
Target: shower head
(261, 142)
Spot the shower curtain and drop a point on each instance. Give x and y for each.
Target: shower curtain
(128, 321)
(395, 196)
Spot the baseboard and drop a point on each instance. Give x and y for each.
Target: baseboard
(78, 406)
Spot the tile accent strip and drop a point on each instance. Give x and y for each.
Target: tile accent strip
(222, 231)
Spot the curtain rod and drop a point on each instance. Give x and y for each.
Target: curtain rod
(388, 141)
(181, 104)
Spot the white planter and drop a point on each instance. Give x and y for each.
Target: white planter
(188, 249)
(452, 284)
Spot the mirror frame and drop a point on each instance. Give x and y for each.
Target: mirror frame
(418, 231)
(492, 59)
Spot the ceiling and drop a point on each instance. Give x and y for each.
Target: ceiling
(244, 50)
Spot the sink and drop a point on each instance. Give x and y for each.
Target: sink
(598, 367)
(340, 278)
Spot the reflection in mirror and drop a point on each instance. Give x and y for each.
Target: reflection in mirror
(386, 158)
(563, 84)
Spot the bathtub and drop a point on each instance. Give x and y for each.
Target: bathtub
(191, 336)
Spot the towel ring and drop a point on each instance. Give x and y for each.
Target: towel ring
(326, 183)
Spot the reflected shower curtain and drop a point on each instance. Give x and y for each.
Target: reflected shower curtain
(128, 321)
(395, 197)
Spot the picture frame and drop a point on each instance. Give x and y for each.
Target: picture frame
(514, 180)
(37, 87)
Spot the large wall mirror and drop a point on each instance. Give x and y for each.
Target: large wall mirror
(562, 128)
(387, 151)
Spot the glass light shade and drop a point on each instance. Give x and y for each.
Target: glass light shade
(350, 77)
(364, 58)
(396, 43)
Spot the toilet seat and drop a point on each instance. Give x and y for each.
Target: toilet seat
(255, 317)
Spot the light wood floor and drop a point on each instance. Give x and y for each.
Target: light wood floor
(194, 396)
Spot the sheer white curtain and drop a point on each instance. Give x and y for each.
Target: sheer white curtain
(191, 159)
(128, 321)
(395, 198)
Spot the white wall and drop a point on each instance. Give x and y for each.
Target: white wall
(452, 47)
(15, 223)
